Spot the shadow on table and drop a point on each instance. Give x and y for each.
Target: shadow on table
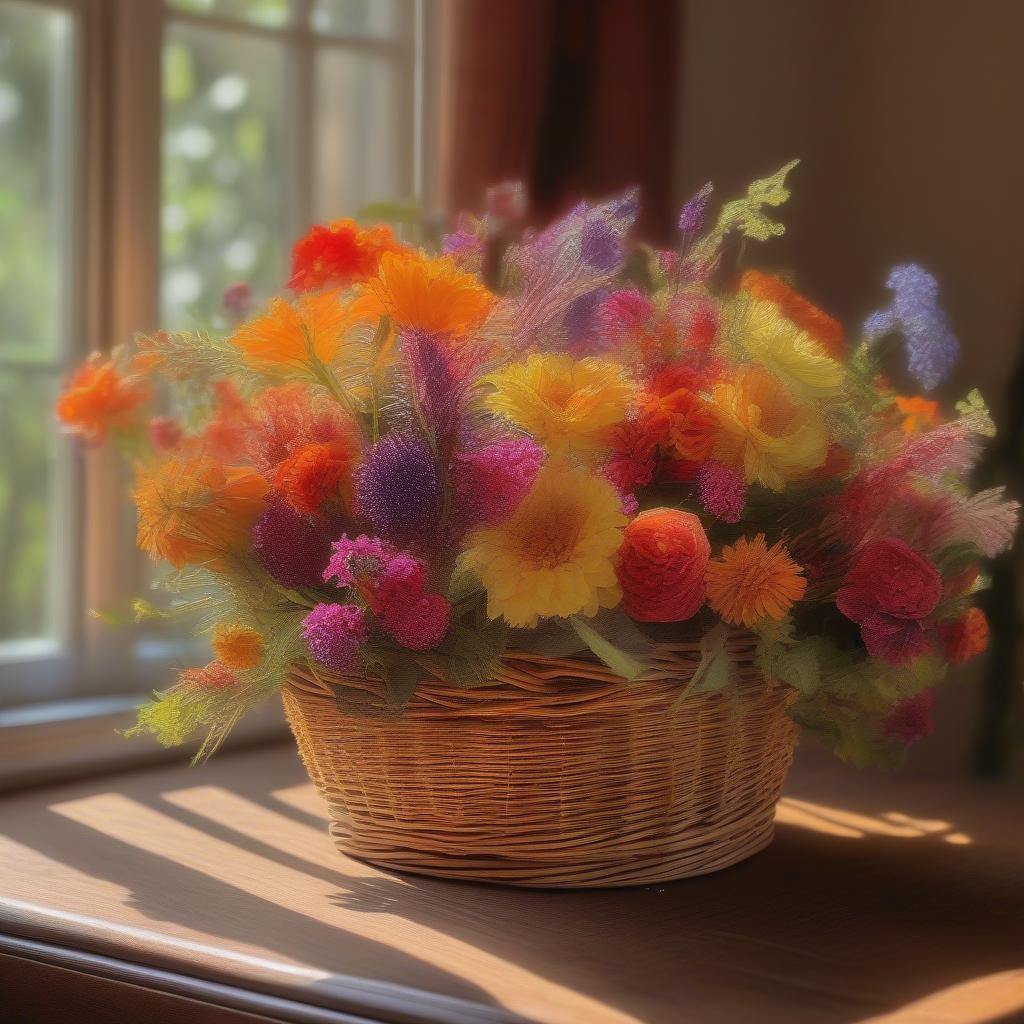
(867, 901)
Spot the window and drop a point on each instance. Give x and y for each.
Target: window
(269, 115)
(38, 223)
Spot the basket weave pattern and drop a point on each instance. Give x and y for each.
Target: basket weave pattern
(558, 774)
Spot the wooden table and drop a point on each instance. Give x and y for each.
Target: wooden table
(213, 895)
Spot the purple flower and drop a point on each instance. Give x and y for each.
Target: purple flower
(691, 216)
(580, 319)
(721, 491)
(291, 547)
(932, 348)
(600, 246)
(352, 558)
(398, 490)
(334, 633)
(437, 389)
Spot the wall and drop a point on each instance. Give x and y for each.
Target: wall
(907, 115)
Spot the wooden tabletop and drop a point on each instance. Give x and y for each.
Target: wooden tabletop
(887, 899)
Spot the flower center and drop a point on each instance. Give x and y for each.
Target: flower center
(549, 538)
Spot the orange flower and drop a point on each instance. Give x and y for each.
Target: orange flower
(224, 438)
(290, 333)
(340, 254)
(824, 329)
(431, 295)
(662, 561)
(683, 420)
(98, 399)
(751, 581)
(192, 510)
(965, 637)
(917, 413)
(237, 647)
(317, 473)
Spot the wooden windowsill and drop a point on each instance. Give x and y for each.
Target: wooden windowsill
(882, 899)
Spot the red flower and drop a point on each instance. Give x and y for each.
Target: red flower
(680, 419)
(889, 590)
(911, 719)
(631, 463)
(965, 637)
(339, 254)
(662, 561)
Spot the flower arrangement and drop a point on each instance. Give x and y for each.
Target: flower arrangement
(561, 442)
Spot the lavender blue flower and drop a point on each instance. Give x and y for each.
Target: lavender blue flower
(691, 216)
(932, 348)
(600, 246)
(581, 319)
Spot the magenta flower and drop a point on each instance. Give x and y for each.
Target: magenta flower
(334, 633)
(722, 491)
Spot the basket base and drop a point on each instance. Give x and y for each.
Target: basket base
(689, 857)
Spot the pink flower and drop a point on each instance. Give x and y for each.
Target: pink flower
(490, 482)
(334, 633)
(722, 491)
(889, 590)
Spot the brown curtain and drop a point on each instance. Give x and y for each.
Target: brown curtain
(574, 97)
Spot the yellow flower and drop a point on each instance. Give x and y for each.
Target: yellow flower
(289, 333)
(237, 647)
(764, 433)
(431, 295)
(556, 554)
(786, 350)
(569, 405)
(751, 581)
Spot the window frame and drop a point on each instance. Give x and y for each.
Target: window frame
(114, 197)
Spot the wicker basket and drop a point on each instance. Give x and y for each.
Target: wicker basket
(559, 774)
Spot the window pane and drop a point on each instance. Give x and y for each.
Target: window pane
(374, 18)
(272, 13)
(34, 100)
(36, 52)
(28, 505)
(225, 171)
(362, 150)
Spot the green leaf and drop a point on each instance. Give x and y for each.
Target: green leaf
(399, 212)
(798, 667)
(464, 584)
(553, 638)
(715, 668)
(974, 412)
(401, 677)
(620, 661)
(474, 653)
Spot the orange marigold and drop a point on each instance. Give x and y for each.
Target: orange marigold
(431, 295)
(193, 510)
(340, 254)
(318, 473)
(751, 581)
(290, 333)
(98, 398)
(918, 413)
(824, 329)
(237, 647)
(965, 637)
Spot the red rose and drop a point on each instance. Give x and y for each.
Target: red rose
(889, 589)
(662, 561)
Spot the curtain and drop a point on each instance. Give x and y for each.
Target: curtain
(574, 97)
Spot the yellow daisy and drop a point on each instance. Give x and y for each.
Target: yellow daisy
(568, 405)
(556, 554)
(764, 433)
